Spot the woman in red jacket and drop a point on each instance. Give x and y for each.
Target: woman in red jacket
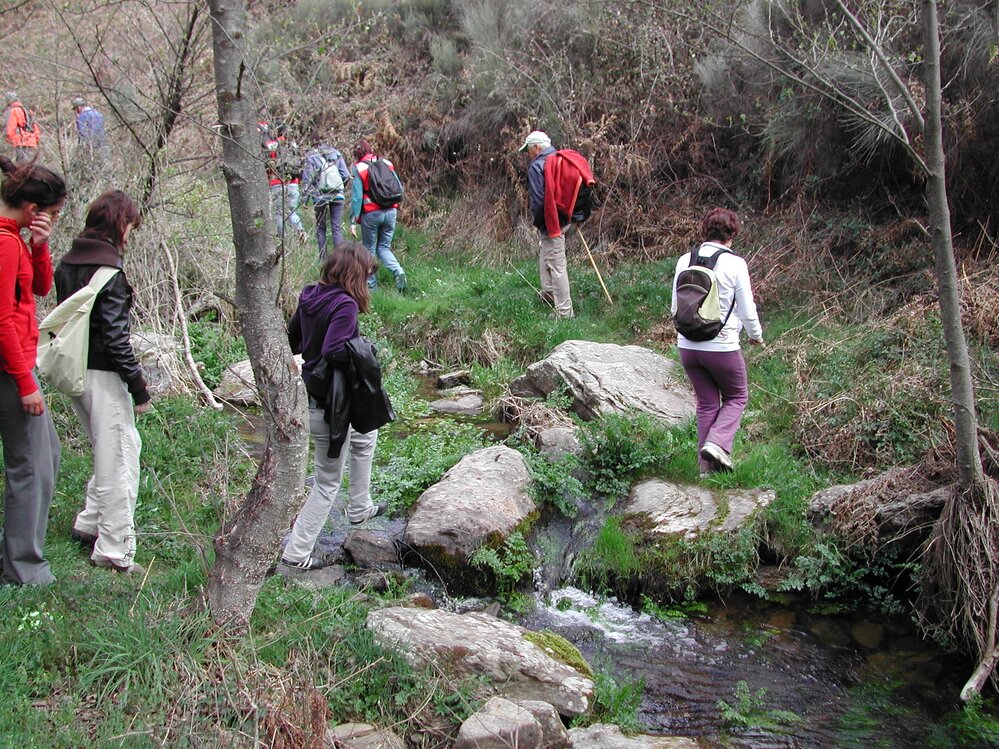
(31, 197)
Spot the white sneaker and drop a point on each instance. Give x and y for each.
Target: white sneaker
(712, 452)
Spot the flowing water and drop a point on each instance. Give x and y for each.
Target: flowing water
(848, 681)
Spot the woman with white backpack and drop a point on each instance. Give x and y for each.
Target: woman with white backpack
(31, 197)
(115, 390)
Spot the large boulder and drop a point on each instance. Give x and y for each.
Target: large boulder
(481, 645)
(479, 501)
(238, 385)
(604, 378)
(663, 508)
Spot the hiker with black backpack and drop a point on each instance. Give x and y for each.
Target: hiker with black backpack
(323, 183)
(559, 185)
(377, 191)
(712, 303)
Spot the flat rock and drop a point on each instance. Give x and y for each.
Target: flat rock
(326, 577)
(605, 736)
(556, 442)
(453, 379)
(893, 500)
(605, 378)
(466, 404)
(162, 366)
(553, 733)
(372, 549)
(477, 644)
(363, 736)
(239, 386)
(665, 508)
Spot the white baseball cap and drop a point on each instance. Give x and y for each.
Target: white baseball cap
(536, 138)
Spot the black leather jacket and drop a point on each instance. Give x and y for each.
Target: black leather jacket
(110, 347)
(356, 397)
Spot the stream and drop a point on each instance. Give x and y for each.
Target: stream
(794, 679)
(849, 681)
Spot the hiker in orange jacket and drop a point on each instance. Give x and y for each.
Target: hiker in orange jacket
(20, 128)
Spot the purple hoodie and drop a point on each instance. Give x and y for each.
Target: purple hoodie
(326, 318)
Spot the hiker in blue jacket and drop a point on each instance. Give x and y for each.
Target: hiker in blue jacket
(328, 200)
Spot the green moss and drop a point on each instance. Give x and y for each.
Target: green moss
(560, 649)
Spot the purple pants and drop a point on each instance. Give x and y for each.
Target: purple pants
(722, 391)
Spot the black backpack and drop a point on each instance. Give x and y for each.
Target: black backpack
(698, 314)
(384, 186)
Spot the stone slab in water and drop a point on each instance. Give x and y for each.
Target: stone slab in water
(469, 404)
(326, 577)
(451, 379)
(372, 549)
(239, 386)
(476, 644)
(604, 378)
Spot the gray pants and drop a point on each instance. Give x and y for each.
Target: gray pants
(358, 449)
(31, 463)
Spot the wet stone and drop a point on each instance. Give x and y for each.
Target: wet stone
(869, 635)
(468, 403)
(372, 549)
(326, 577)
(453, 379)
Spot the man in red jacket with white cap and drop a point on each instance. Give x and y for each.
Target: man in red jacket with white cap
(551, 250)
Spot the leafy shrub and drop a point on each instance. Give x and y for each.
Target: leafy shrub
(850, 579)
(510, 563)
(411, 465)
(618, 449)
(552, 482)
(614, 701)
(215, 347)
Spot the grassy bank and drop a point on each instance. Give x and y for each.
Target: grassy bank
(106, 660)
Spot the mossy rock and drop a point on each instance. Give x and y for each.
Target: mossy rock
(560, 649)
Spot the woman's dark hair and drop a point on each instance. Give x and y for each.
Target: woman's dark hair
(108, 217)
(30, 183)
(720, 225)
(348, 267)
(361, 149)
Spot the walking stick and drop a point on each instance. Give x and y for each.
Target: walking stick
(594, 264)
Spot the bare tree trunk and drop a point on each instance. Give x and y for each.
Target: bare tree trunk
(247, 544)
(969, 462)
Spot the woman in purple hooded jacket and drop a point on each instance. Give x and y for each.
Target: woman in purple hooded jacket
(326, 318)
